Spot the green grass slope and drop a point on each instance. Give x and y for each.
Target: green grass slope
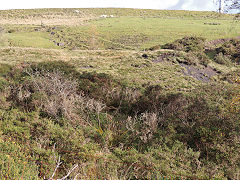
(128, 29)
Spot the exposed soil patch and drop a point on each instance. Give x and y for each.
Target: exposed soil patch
(163, 57)
(202, 74)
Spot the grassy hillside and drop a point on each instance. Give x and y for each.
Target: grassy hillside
(128, 29)
(34, 14)
(145, 94)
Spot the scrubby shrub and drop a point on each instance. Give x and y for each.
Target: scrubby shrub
(53, 94)
(235, 105)
(95, 85)
(154, 100)
(197, 120)
(50, 92)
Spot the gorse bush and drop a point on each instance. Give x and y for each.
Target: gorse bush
(14, 162)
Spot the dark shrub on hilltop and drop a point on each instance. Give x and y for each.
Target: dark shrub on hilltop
(194, 47)
(187, 44)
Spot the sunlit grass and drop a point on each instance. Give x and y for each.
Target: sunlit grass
(30, 39)
(140, 33)
(147, 32)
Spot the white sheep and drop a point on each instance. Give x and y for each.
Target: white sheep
(103, 16)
